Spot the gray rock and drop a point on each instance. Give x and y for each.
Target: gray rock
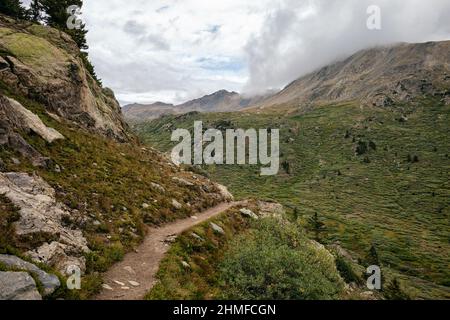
(182, 182)
(176, 204)
(158, 187)
(14, 119)
(129, 270)
(270, 209)
(18, 286)
(59, 256)
(171, 238)
(41, 213)
(227, 196)
(50, 282)
(249, 213)
(196, 236)
(107, 287)
(32, 122)
(71, 93)
(217, 228)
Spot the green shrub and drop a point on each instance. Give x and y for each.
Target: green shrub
(277, 261)
(346, 271)
(361, 148)
(394, 291)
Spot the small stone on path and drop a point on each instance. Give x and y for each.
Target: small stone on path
(107, 287)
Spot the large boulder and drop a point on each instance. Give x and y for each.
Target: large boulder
(49, 282)
(227, 196)
(15, 118)
(18, 286)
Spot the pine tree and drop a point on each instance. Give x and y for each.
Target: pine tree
(35, 11)
(317, 226)
(12, 8)
(57, 16)
(372, 258)
(296, 214)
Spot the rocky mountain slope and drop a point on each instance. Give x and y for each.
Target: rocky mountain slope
(220, 101)
(76, 188)
(378, 76)
(138, 112)
(44, 65)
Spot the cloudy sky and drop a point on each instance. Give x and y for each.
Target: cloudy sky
(176, 50)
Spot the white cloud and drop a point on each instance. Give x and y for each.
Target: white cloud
(176, 50)
(301, 36)
(170, 50)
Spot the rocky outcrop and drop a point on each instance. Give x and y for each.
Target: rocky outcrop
(45, 65)
(270, 209)
(49, 282)
(249, 213)
(24, 119)
(15, 118)
(217, 228)
(18, 286)
(227, 196)
(41, 217)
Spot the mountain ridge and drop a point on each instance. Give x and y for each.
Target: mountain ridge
(219, 101)
(375, 76)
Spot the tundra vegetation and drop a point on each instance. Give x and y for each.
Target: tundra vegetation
(359, 177)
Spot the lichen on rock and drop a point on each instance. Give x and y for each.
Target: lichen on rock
(43, 64)
(41, 214)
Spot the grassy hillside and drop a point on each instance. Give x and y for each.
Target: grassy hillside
(253, 259)
(374, 176)
(113, 189)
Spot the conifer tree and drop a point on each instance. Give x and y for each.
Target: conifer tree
(12, 8)
(317, 226)
(57, 16)
(372, 258)
(35, 11)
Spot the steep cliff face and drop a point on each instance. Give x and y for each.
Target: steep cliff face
(44, 64)
(378, 76)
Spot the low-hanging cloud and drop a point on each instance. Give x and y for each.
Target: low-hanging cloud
(301, 36)
(173, 50)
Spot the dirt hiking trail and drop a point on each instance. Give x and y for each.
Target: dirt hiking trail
(133, 277)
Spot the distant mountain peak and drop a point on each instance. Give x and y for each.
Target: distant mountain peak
(219, 101)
